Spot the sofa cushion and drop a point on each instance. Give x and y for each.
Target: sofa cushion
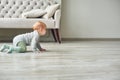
(51, 10)
(34, 13)
(24, 23)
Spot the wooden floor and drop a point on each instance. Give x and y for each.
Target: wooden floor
(73, 60)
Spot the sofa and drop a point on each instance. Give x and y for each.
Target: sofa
(11, 15)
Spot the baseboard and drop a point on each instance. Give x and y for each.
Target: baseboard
(90, 39)
(71, 39)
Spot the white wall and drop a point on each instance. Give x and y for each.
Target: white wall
(90, 19)
(84, 19)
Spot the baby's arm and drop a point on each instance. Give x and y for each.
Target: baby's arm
(40, 48)
(35, 45)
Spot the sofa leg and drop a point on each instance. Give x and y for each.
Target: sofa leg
(56, 35)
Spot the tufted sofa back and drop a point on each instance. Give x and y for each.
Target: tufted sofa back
(14, 8)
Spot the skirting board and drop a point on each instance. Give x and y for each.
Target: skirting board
(90, 39)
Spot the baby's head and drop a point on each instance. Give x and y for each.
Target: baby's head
(40, 27)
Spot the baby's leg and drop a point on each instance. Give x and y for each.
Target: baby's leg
(23, 47)
(3, 47)
(20, 48)
(12, 48)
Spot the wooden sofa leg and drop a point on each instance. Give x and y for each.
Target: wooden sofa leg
(56, 35)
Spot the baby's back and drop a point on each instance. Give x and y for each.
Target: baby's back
(26, 38)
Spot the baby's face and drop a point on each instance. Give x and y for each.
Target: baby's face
(41, 28)
(42, 33)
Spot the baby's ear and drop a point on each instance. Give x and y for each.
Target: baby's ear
(41, 29)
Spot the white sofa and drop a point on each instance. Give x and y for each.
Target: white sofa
(11, 15)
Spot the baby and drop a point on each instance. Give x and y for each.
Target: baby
(20, 42)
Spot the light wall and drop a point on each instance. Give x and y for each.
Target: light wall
(84, 19)
(90, 19)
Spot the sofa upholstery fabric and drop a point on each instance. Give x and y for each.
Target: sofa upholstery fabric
(11, 13)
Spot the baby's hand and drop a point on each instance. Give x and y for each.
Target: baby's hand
(42, 49)
(36, 52)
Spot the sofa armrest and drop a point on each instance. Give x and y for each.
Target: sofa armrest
(57, 18)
